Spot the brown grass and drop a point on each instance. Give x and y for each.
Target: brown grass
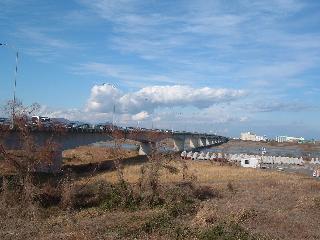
(91, 154)
(205, 172)
(249, 202)
(272, 204)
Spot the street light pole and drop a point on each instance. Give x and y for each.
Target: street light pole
(15, 79)
(113, 115)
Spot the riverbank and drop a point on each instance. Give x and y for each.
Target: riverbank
(305, 150)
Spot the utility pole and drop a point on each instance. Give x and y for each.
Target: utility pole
(14, 79)
(113, 116)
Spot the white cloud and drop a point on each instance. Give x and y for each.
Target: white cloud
(140, 116)
(244, 119)
(124, 73)
(40, 37)
(104, 97)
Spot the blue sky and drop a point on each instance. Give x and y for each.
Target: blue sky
(215, 66)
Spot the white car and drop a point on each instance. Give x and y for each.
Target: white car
(189, 155)
(195, 155)
(183, 154)
(201, 156)
(207, 157)
(316, 173)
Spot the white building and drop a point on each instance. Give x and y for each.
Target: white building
(250, 162)
(261, 138)
(281, 139)
(249, 136)
(289, 139)
(295, 139)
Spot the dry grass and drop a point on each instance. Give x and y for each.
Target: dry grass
(205, 172)
(91, 154)
(5, 169)
(272, 204)
(251, 204)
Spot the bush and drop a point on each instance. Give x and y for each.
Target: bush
(205, 192)
(159, 222)
(226, 232)
(316, 202)
(120, 196)
(182, 208)
(231, 187)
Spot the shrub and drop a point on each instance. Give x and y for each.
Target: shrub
(120, 195)
(225, 232)
(205, 192)
(316, 202)
(182, 208)
(231, 187)
(158, 222)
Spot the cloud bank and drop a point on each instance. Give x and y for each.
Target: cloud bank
(105, 97)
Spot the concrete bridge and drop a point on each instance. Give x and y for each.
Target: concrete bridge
(69, 139)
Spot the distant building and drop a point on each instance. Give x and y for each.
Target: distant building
(250, 162)
(249, 136)
(289, 139)
(261, 138)
(281, 139)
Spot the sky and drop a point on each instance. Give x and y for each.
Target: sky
(211, 66)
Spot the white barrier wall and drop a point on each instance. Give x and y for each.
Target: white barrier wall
(238, 157)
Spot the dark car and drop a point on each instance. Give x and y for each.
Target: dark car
(4, 121)
(72, 125)
(100, 127)
(85, 126)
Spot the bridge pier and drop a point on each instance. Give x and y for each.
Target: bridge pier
(193, 142)
(178, 144)
(202, 141)
(146, 148)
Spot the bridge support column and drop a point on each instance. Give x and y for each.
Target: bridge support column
(202, 142)
(145, 148)
(193, 142)
(178, 144)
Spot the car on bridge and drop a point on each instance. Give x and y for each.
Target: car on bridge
(102, 127)
(73, 126)
(40, 122)
(130, 129)
(84, 126)
(4, 121)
